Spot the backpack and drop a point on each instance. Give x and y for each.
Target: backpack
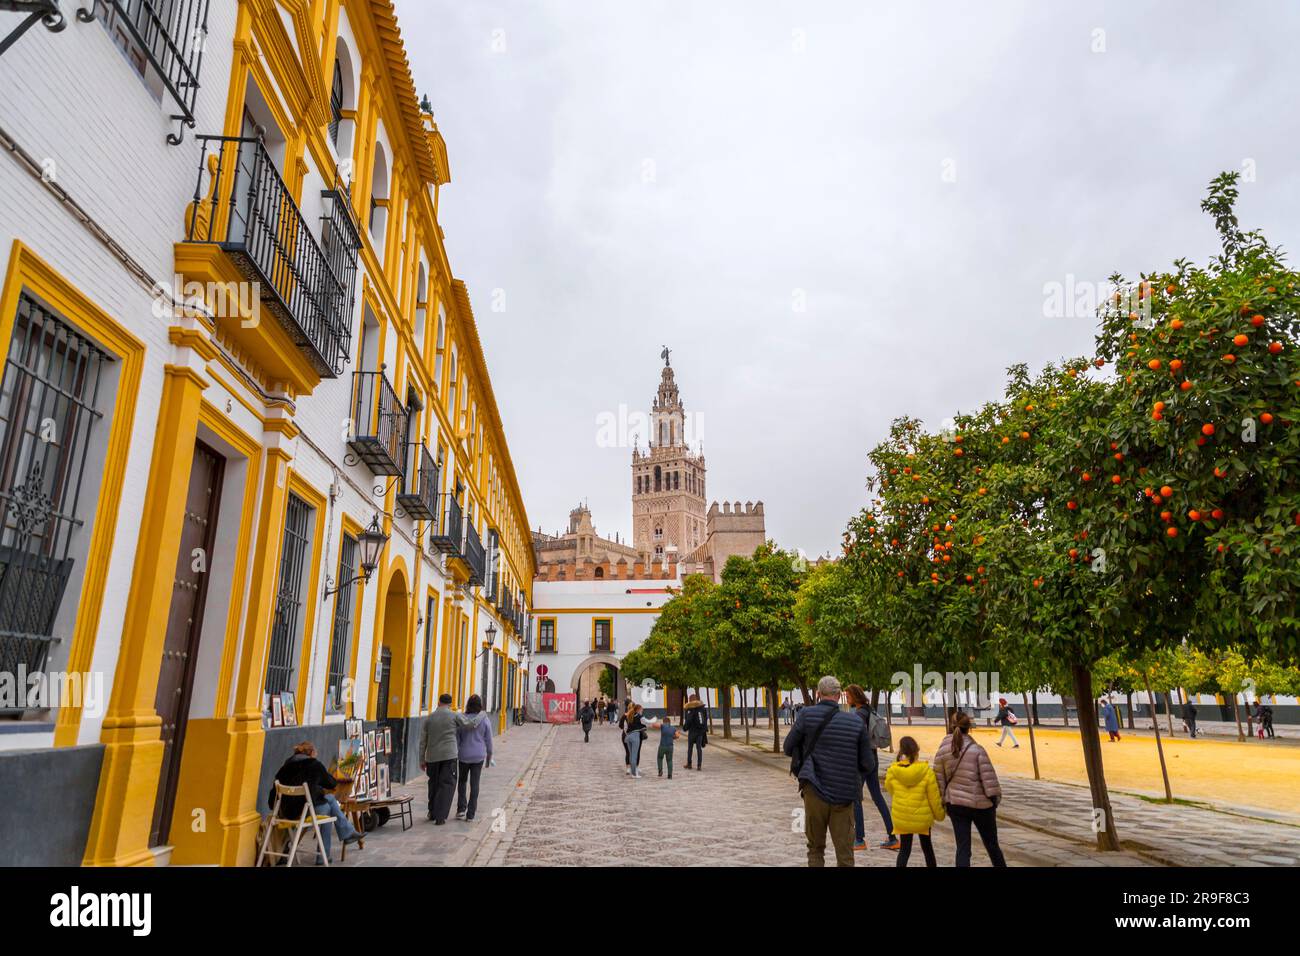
(878, 732)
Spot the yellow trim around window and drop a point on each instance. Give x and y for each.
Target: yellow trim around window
(29, 271)
(555, 635)
(609, 621)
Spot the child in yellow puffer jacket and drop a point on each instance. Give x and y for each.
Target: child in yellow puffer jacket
(915, 806)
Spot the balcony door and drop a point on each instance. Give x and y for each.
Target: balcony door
(184, 624)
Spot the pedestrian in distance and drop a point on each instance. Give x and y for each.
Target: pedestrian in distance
(970, 791)
(634, 735)
(667, 734)
(696, 725)
(439, 753)
(829, 753)
(1110, 716)
(1189, 718)
(622, 726)
(1008, 719)
(474, 742)
(585, 716)
(917, 807)
(879, 735)
(1264, 713)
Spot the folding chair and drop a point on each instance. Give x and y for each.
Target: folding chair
(308, 819)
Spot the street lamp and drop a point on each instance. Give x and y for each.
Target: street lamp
(371, 542)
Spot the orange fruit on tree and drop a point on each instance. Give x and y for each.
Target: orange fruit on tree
(1166, 516)
(1194, 515)
(1172, 532)
(1072, 505)
(1266, 418)
(1274, 347)
(1154, 365)
(1166, 491)
(1240, 340)
(1207, 428)
(1116, 479)
(1176, 324)
(1175, 365)
(1256, 320)
(1230, 358)
(1187, 384)
(1217, 514)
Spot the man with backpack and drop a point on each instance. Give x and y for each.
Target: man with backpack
(880, 738)
(829, 754)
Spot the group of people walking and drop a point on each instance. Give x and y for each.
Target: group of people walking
(635, 730)
(834, 752)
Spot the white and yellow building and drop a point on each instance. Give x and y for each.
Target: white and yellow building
(249, 447)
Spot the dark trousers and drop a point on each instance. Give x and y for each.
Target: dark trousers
(1191, 725)
(927, 849)
(586, 733)
(986, 822)
(442, 784)
(859, 824)
(819, 817)
(695, 745)
(665, 753)
(627, 757)
(469, 773)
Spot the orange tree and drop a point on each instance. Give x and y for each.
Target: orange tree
(678, 650)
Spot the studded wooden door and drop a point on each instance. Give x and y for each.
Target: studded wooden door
(184, 624)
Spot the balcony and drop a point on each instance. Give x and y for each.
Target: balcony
(243, 227)
(447, 536)
(475, 557)
(493, 588)
(419, 494)
(379, 422)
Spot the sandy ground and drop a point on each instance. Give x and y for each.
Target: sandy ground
(1251, 775)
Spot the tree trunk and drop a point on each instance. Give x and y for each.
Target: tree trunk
(744, 718)
(1033, 744)
(1160, 749)
(1250, 720)
(1169, 711)
(1065, 707)
(1128, 698)
(724, 697)
(1103, 818)
(774, 692)
(1236, 712)
(1035, 700)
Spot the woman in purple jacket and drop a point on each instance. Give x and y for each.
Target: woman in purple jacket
(475, 743)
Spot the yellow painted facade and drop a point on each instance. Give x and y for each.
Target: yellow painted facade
(241, 388)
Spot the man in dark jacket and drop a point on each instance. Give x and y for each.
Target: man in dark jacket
(834, 751)
(586, 715)
(696, 725)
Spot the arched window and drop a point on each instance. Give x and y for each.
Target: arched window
(379, 200)
(658, 479)
(600, 572)
(336, 102)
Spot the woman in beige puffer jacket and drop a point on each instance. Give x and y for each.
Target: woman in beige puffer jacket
(969, 788)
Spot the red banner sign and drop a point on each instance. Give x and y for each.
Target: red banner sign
(560, 708)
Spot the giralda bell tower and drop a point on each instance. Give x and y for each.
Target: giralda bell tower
(667, 480)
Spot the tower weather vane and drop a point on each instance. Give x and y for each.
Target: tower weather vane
(664, 355)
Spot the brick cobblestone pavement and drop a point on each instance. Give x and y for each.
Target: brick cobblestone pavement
(554, 801)
(456, 842)
(578, 808)
(1156, 833)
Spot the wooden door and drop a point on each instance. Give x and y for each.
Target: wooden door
(184, 624)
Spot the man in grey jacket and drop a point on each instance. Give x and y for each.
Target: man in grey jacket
(439, 753)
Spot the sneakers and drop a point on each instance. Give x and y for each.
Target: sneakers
(859, 845)
(1016, 747)
(355, 838)
(460, 814)
(892, 843)
(627, 771)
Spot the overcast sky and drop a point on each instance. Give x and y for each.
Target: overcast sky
(833, 213)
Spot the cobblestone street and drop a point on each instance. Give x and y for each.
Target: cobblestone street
(582, 810)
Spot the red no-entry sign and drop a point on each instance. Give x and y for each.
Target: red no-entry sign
(542, 670)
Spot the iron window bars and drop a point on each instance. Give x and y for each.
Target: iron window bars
(341, 640)
(170, 34)
(475, 557)
(49, 407)
(379, 424)
(250, 213)
(281, 665)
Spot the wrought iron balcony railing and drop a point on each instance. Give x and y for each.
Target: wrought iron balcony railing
(379, 422)
(419, 494)
(493, 586)
(448, 536)
(249, 212)
(475, 556)
(169, 35)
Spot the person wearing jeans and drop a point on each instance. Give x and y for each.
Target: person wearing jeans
(970, 791)
(474, 742)
(303, 767)
(858, 701)
(635, 733)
